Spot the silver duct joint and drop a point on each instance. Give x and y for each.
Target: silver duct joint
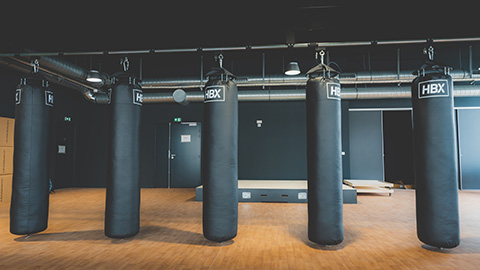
(97, 98)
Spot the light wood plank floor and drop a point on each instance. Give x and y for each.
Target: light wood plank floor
(379, 234)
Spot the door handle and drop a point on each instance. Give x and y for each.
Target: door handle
(172, 156)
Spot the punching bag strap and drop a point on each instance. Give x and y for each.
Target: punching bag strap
(35, 77)
(124, 76)
(220, 73)
(322, 70)
(430, 65)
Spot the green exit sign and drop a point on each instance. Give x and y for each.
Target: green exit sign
(177, 119)
(67, 119)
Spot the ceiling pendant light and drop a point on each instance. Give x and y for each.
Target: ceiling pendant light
(292, 68)
(94, 76)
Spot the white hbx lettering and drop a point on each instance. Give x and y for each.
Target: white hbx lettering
(49, 98)
(214, 93)
(137, 97)
(18, 96)
(433, 88)
(333, 91)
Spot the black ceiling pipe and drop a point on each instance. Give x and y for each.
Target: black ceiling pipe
(30, 190)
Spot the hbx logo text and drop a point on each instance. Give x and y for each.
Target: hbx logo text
(215, 93)
(49, 98)
(433, 88)
(137, 97)
(333, 90)
(18, 96)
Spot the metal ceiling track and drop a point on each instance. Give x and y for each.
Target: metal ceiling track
(248, 47)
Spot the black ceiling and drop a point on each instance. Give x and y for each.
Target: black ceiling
(135, 25)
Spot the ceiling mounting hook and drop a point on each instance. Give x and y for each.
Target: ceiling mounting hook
(36, 66)
(125, 63)
(320, 54)
(429, 52)
(219, 58)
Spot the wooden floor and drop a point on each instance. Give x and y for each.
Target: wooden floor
(379, 234)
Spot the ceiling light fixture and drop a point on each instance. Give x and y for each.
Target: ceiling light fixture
(292, 69)
(94, 76)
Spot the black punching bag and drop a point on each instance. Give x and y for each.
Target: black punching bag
(122, 213)
(220, 157)
(324, 156)
(29, 205)
(435, 170)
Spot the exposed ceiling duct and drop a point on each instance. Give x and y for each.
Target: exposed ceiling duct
(70, 75)
(348, 93)
(61, 68)
(87, 91)
(383, 77)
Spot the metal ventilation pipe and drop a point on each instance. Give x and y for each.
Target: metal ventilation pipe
(52, 77)
(383, 92)
(166, 97)
(385, 77)
(69, 70)
(67, 74)
(75, 72)
(98, 98)
(65, 68)
(350, 93)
